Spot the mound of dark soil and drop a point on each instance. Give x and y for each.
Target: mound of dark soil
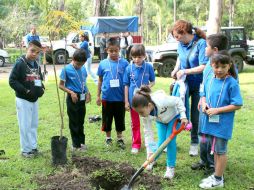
(90, 173)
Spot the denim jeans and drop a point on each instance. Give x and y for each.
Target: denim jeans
(27, 113)
(89, 70)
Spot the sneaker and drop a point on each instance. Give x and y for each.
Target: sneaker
(134, 150)
(211, 183)
(193, 150)
(35, 151)
(27, 154)
(198, 166)
(149, 167)
(210, 178)
(83, 148)
(121, 144)
(109, 142)
(169, 173)
(165, 150)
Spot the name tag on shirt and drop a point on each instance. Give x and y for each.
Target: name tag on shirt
(37, 83)
(114, 83)
(82, 97)
(214, 119)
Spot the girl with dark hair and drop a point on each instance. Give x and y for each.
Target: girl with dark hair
(220, 99)
(166, 109)
(192, 61)
(139, 73)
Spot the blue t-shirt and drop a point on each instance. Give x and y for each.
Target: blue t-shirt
(136, 76)
(111, 70)
(30, 37)
(196, 58)
(75, 79)
(85, 45)
(230, 95)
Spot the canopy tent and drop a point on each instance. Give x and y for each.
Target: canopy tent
(113, 24)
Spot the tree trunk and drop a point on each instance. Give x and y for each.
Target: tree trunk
(231, 12)
(174, 11)
(215, 14)
(140, 13)
(101, 7)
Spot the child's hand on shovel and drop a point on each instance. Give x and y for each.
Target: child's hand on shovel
(184, 121)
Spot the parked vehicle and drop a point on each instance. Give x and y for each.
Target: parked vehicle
(111, 25)
(164, 57)
(4, 57)
(250, 54)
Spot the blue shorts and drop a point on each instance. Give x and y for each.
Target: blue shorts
(220, 146)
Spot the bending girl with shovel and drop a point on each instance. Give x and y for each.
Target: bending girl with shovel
(166, 109)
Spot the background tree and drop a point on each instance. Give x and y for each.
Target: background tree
(101, 7)
(215, 13)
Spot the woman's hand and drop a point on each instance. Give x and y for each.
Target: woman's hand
(173, 74)
(180, 73)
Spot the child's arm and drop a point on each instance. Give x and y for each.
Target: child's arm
(98, 101)
(126, 98)
(74, 96)
(215, 111)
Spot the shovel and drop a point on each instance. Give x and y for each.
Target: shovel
(158, 151)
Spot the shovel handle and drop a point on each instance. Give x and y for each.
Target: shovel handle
(165, 143)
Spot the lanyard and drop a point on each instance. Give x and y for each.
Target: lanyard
(209, 96)
(80, 81)
(133, 76)
(206, 76)
(33, 71)
(111, 69)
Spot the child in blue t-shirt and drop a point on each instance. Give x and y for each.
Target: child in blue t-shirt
(215, 43)
(110, 85)
(220, 99)
(137, 74)
(73, 81)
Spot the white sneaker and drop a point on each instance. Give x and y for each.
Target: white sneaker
(193, 150)
(83, 148)
(210, 178)
(165, 150)
(149, 167)
(134, 150)
(169, 173)
(211, 183)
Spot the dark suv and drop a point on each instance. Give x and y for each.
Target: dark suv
(164, 57)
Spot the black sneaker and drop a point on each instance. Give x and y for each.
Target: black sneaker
(27, 154)
(109, 142)
(35, 151)
(198, 166)
(121, 144)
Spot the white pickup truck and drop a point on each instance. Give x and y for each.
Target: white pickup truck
(62, 49)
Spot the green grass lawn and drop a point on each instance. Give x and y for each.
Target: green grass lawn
(18, 173)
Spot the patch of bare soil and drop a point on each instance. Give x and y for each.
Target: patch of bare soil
(90, 173)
